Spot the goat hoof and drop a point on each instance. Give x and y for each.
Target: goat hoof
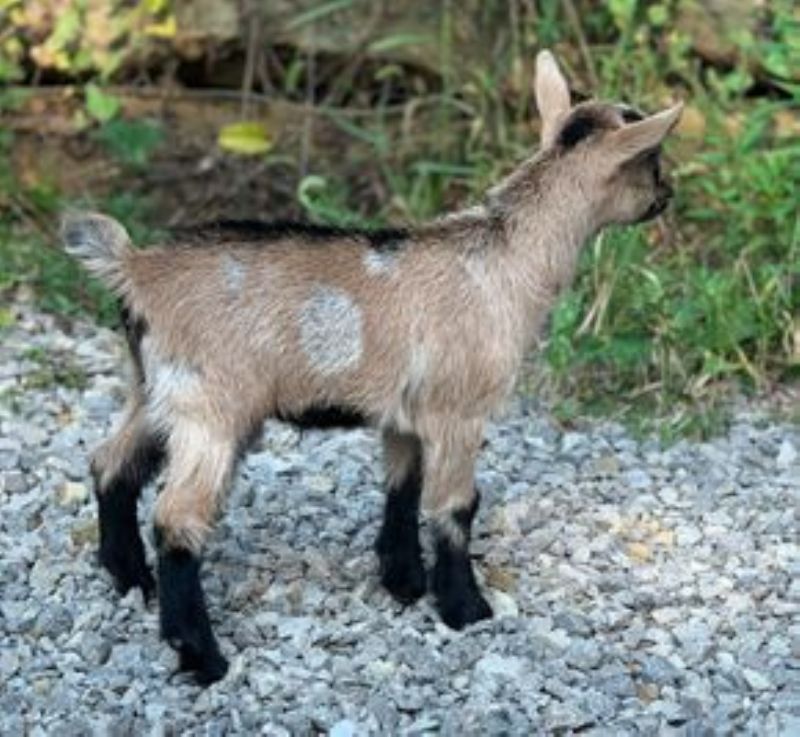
(207, 666)
(403, 576)
(128, 571)
(468, 608)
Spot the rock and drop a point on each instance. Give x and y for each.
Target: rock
(605, 466)
(72, 492)
(637, 479)
(494, 665)
(9, 664)
(85, 532)
(787, 454)
(583, 655)
(9, 454)
(14, 482)
(343, 728)
(755, 680)
(503, 605)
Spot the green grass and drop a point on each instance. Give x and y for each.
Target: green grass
(57, 282)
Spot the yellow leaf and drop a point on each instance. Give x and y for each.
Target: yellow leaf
(167, 28)
(248, 138)
(155, 6)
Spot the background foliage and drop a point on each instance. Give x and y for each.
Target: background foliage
(361, 113)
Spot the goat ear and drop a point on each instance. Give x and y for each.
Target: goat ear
(631, 140)
(552, 95)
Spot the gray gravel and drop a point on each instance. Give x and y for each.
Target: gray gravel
(641, 590)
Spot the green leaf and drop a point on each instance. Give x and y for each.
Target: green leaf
(317, 13)
(131, 141)
(247, 138)
(7, 318)
(101, 105)
(399, 40)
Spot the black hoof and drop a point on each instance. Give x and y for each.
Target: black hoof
(206, 665)
(128, 568)
(403, 575)
(184, 618)
(459, 611)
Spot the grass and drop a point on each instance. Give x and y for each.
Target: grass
(664, 322)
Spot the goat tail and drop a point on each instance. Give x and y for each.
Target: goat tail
(101, 243)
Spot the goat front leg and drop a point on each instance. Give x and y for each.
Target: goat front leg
(121, 467)
(449, 495)
(200, 465)
(399, 553)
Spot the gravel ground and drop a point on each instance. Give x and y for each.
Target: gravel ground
(640, 590)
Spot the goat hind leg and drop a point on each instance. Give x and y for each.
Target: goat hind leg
(121, 467)
(201, 461)
(399, 553)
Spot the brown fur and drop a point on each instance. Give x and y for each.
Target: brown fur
(435, 337)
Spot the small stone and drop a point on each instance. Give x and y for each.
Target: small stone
(584, 655)
(574, 623)
(605, 466)
(72, 492)
(570, 441)
(647, 692)
(500, 577)
(787, 454)
(343, 728)
(9, 664)
(503, 604)
(14, 482)
(44, 575)
(320, 483)
(639, 552)
(85, 532)
(54, 620)
(494, 665)
(658, 670)
(669, 495)
(636, 478)
(263, 682)
(789, 725)
(756, 680)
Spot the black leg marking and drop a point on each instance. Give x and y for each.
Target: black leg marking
(458, 598)
(184, 618)
(399, 553)
(121, 548)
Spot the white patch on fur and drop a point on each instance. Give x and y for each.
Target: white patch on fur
(167, 384)
(234, 273)
(378, 263)
(402, 410)
(330, 330)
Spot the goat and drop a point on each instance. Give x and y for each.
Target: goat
(419, 333)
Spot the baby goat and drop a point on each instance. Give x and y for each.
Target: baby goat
(419, 333)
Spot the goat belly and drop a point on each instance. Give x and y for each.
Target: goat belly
(325, 417)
